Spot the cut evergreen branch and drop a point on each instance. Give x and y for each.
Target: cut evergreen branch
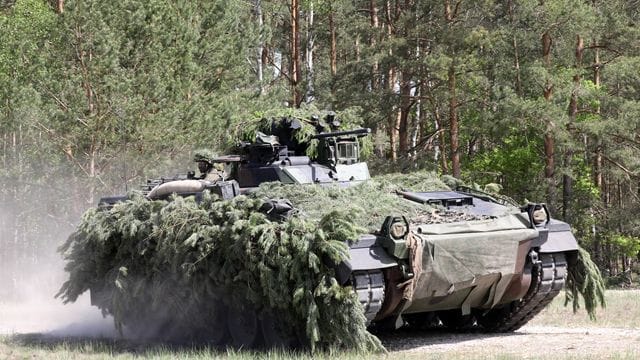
(148, 261)
(585, 280)
(368, 203)
(173, 257)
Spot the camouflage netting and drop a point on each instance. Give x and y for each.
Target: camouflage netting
(149, 261)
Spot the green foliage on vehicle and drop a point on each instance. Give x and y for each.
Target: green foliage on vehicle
(178, 256)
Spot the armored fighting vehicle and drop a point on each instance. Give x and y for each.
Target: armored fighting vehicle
(479, 262)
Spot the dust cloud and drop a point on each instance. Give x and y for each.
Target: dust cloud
(32, 272)
(50, 317)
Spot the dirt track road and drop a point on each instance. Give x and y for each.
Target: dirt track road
(536, 341)
(529, 342)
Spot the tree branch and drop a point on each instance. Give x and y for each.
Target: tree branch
(630, 174)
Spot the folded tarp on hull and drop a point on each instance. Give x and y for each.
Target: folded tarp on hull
(470, 265)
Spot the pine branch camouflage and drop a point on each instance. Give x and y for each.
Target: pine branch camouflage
(173, 257)
(160, 259)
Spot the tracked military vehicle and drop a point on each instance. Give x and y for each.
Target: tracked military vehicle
(477, 261)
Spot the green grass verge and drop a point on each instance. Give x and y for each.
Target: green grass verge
(36, 346)
(622, 311)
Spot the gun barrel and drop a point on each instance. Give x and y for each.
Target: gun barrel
(357, 132)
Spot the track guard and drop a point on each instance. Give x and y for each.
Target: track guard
(366, 254)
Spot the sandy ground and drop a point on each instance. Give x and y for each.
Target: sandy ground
(528, 342)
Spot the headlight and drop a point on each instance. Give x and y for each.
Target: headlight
(395, 228)
(398, 230)
(539, 215)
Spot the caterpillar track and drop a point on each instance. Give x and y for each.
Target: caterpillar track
(369, 285)
(549, 273)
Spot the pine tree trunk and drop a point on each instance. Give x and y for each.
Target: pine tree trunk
(598, 156)
(260, 56)
(391, 82)
(597, 164)
(310, 93)
(294, 75)
(516, 53)
(334, 45)
(450, 14)
(440, 153)
(405, 108)
(375, 24)
(453, 122)
(567, 180)
(549, 141)
(393, 120)
(406, 101)
(416, 125)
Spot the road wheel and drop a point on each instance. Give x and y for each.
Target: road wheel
(420, 321)
(454, 320)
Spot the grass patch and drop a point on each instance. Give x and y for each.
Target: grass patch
(622, 311)
(36, 346)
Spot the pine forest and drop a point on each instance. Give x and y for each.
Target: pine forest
(541, 97)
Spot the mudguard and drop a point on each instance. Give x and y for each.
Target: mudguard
(366, 254)
(556, 236)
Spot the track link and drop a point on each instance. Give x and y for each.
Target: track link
(548, 276)
(369, 285)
